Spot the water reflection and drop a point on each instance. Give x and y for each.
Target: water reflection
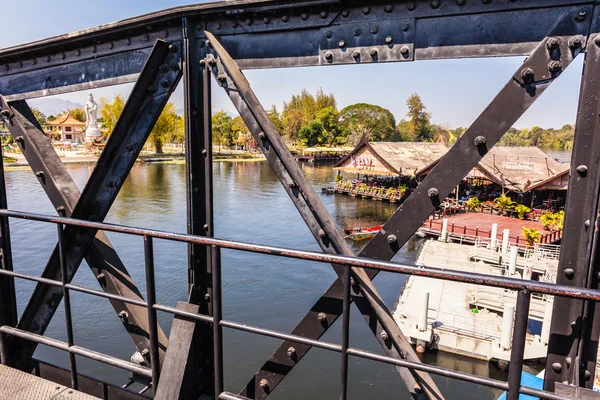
(250, 205)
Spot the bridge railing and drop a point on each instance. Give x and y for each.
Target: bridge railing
(524, 288)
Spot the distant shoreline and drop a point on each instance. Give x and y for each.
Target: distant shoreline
(177, 158)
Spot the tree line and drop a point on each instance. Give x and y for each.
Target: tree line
(314, 120)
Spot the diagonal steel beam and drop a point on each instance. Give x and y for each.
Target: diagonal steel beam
(513, 100)
(109, 270)
(369, 302)
(157, 81)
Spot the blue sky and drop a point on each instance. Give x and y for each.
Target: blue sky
(454, 91)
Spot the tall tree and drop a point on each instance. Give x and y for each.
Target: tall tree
(222, 131)
(40, 116)
(419, 123)
(377, 123)
(302, 110)
(241, 133)
(329, 117)
(110, 113)
(323, 100)
(276, 119)
(312, 134)
(166, 127)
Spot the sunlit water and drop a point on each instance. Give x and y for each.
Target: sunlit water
(275, 293)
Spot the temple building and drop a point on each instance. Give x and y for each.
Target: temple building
(65, 127)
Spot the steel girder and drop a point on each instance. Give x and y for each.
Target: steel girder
(328, 236)
(264, 34)
(573, 345)
(199, 171)
(523, 88)
(158, 79)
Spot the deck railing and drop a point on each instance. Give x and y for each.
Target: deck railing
(524, 288)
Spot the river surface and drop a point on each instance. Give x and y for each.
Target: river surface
(252, 206)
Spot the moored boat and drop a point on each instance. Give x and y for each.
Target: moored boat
(358, 234)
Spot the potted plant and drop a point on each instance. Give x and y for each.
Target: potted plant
(531, 235)
(522, 210)
(547, 220)
(473, 203)
(504, 202)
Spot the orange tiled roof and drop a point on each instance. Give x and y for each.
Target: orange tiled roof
(66, 119)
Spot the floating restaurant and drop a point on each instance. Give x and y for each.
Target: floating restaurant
(389, 170)
(531, 175)
(404, 159)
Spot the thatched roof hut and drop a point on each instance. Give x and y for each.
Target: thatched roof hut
(391, 158)
(520, 169)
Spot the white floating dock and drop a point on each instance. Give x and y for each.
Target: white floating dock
(464, 318)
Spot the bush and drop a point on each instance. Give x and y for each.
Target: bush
(504, 202)
(473, 203)
(532, 235)
(553, 220)
(521, 210)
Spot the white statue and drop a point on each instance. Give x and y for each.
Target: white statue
(91, 119)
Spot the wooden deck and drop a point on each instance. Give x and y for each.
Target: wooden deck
(19, 385)
(475, 224)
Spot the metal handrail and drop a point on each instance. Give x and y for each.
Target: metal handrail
(525, 288)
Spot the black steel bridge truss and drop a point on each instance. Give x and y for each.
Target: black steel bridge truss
(221, 39)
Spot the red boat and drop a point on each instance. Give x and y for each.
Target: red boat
(359, 234)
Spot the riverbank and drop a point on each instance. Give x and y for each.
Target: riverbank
(73, 158)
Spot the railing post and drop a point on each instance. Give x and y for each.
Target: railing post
(217, 307)
(345, 334)
(151, 300)
(518, 344)
(67, 304)
(8, 302)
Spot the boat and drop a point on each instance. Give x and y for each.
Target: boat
(359, 234)
(328, 190)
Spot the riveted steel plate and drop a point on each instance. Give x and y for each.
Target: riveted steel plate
(19, 385)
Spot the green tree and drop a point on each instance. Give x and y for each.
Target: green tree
(76, 113)
(241, 132)
(328, 117)
(419, 124)
(166, 127)
(377, 123)
(222, 131)
(312, 134)
(404, 133)
(552, 139)
(51, 117)
(302, 110)
(323, 100)
(40, 116)
(276, 119)
(110, 113)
